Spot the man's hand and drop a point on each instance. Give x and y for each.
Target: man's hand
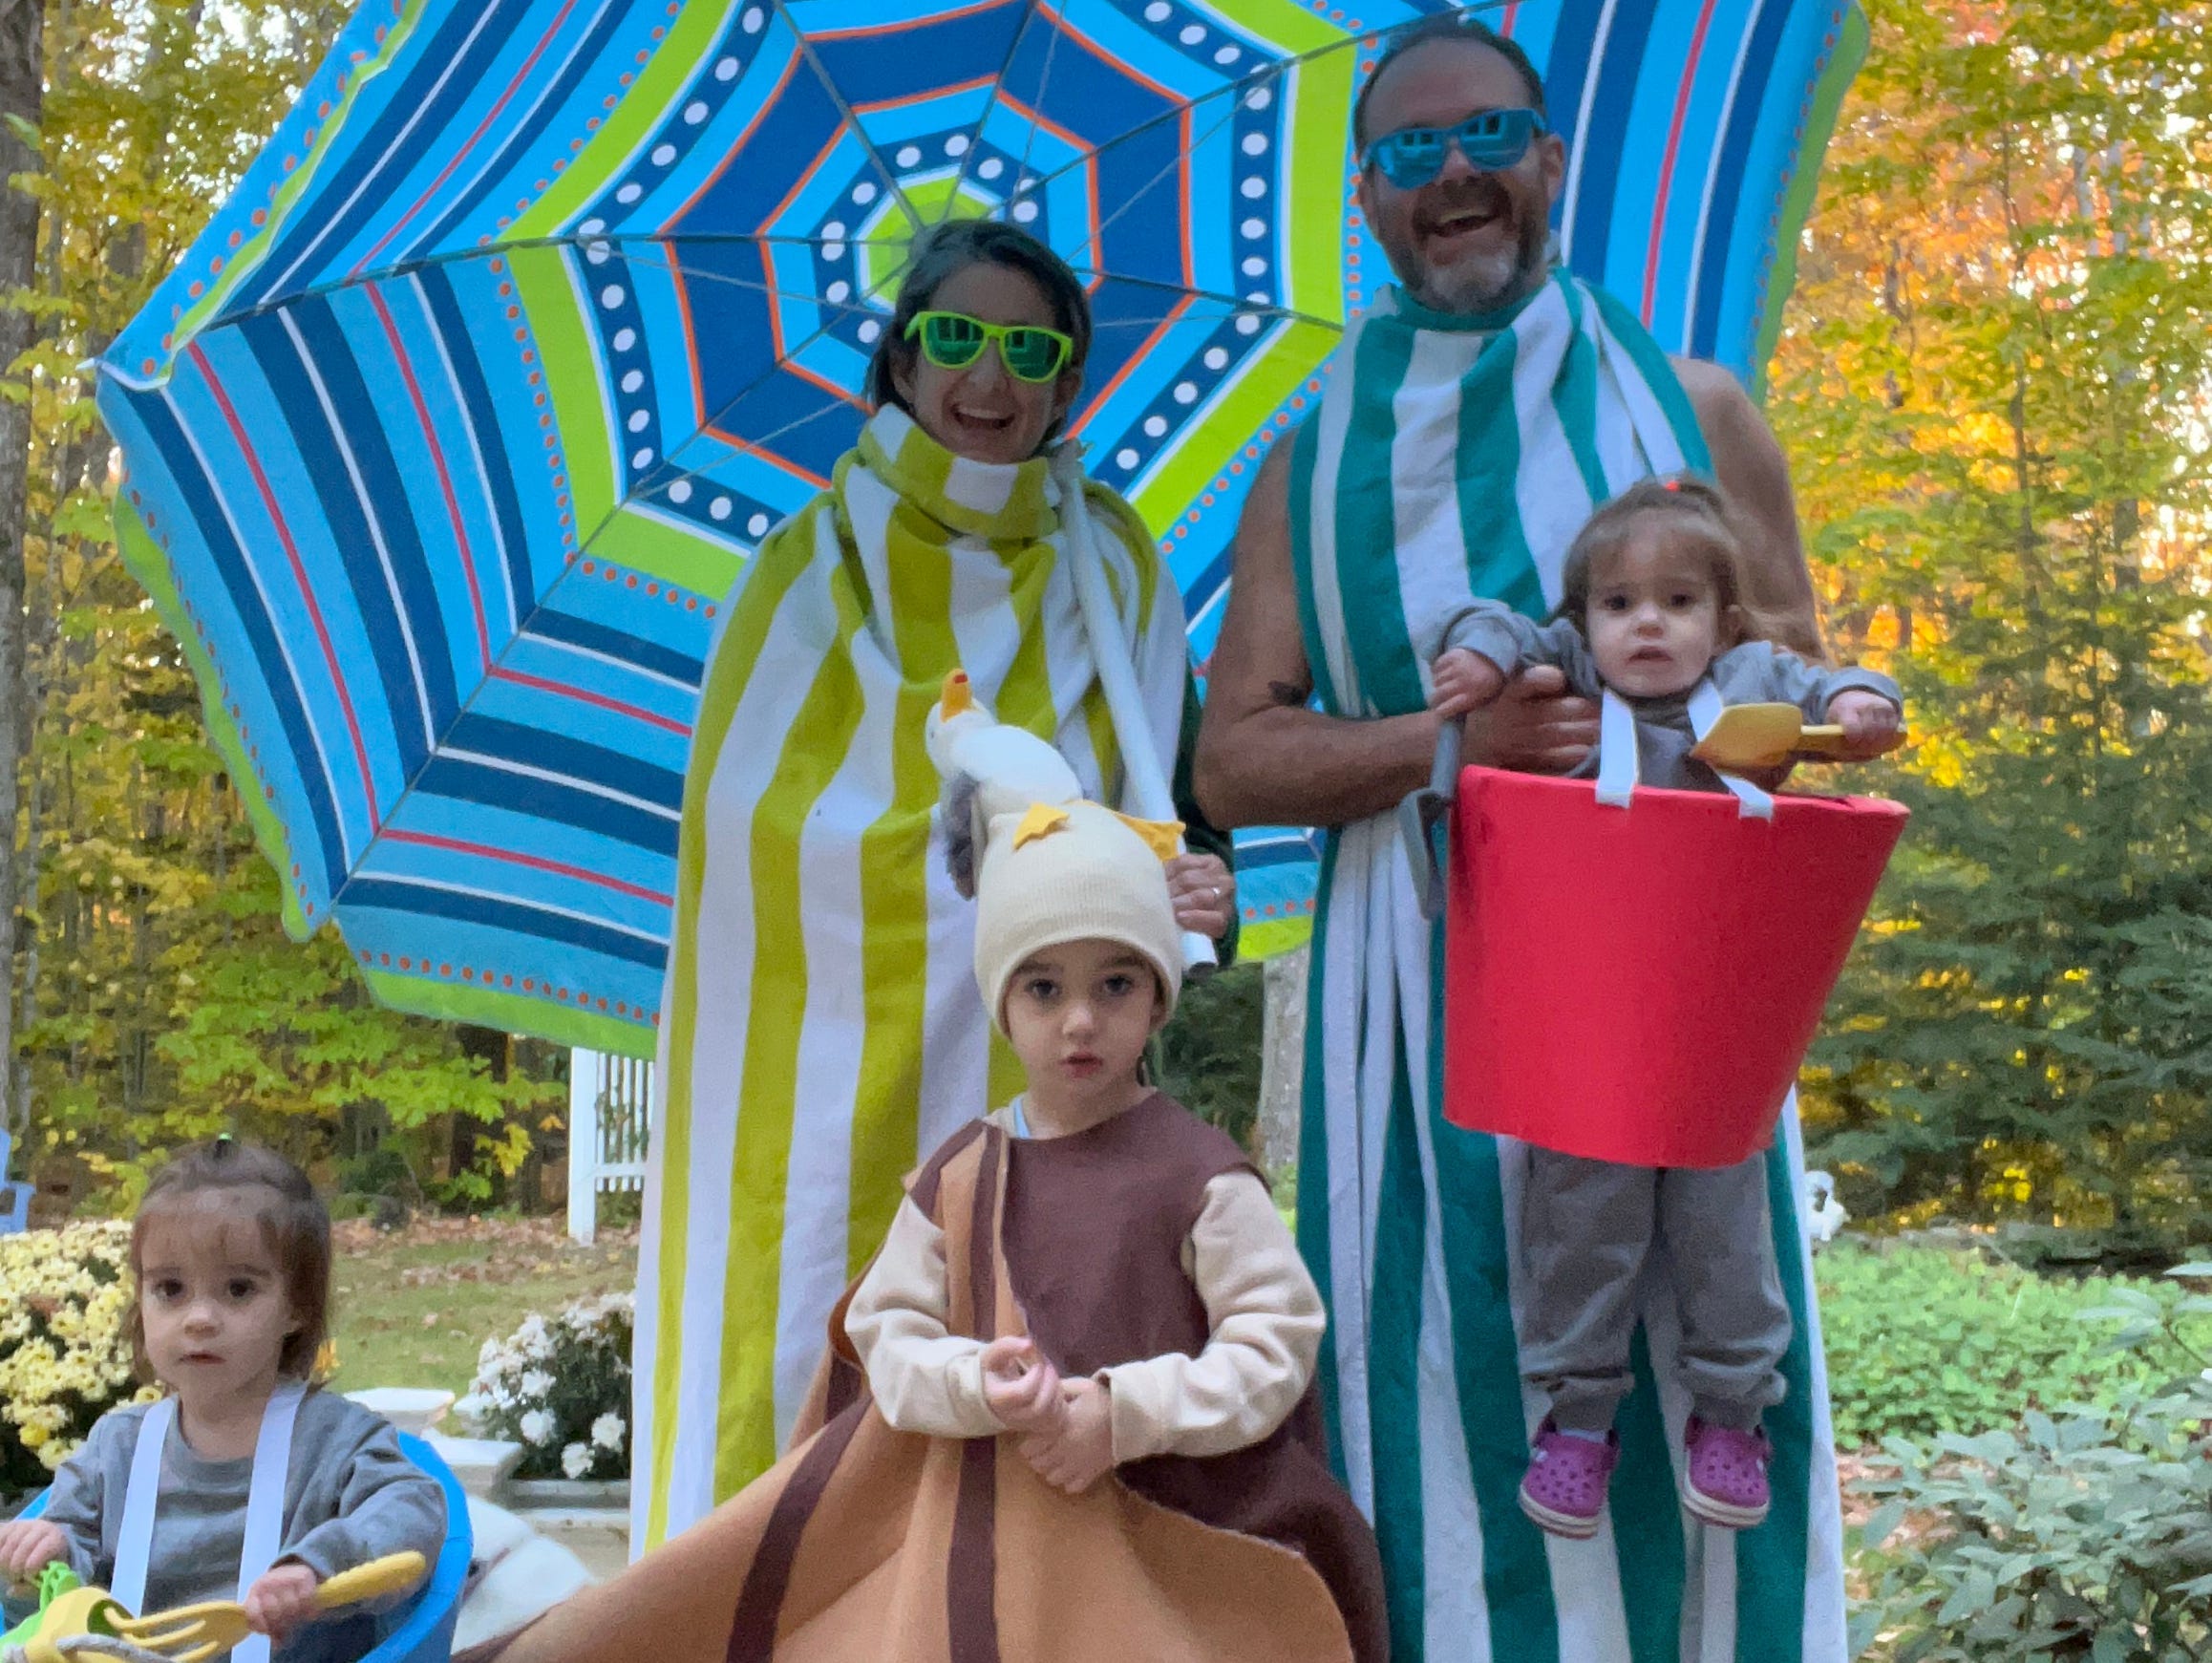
(1459, 680)
(1534, 726)
(282, 1600)
(1082, 1452)
(1020, 1387)
(28, 1547)
(1869, 723)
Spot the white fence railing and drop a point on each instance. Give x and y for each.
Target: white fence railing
(609, 1121)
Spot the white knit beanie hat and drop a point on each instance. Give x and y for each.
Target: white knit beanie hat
(1071, 872)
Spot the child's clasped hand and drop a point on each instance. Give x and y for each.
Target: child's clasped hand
(1080, 1451)
(1066, 1426)
(1022, 1389)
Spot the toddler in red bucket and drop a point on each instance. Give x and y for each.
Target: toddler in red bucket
(1653, 620)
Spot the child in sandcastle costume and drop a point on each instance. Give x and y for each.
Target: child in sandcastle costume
(1068, 1411)
(1653, 620)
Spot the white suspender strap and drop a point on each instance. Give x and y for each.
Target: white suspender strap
(1705, 708)
(1616, 751)
(134, 1536)
(265, 1504)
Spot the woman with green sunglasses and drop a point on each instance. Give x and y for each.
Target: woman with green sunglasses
(985, 355)
(821, 1031)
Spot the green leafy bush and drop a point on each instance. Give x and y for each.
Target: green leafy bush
(2085, 1536)
(1208, 1056)
(1923, 1341)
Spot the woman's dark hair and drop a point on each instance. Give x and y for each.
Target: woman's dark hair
(1456, 26)
(1694, 510)
(951, 246)
(234, 1180)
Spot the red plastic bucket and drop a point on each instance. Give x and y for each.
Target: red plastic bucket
(1640, 984)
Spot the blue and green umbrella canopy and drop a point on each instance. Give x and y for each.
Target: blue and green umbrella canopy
(448, 440)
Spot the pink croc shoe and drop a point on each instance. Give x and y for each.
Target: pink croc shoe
(1726, 1483)
(1565, 1487)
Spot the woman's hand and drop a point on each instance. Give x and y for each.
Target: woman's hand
(1020, 1387)
(28, 1547)
(1204, 892)
(282, 1600)
(1082, 1452)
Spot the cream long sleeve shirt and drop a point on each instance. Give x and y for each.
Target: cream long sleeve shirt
(1263, 1314)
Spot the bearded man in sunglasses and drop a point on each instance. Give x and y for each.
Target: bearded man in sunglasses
(1475, 418)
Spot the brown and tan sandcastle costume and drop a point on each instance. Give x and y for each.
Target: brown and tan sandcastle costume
(869, 1544)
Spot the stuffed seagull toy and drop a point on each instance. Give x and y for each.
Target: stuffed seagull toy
(991, 768)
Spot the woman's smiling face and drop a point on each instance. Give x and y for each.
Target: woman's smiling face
(982, 412)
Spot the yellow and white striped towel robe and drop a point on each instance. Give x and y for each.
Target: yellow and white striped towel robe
(821, 1030)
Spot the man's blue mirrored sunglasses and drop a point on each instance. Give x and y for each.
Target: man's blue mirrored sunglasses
(1491, 140)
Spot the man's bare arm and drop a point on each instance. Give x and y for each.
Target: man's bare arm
(1262, 758)
(1755, 476)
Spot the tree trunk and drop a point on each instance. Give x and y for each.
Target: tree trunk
(1283, 1061)
(22, 65)
(19, 1086)
(495, 1050)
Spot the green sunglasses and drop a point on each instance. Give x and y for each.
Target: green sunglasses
(952, 340)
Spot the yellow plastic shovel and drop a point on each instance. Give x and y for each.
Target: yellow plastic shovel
(196, 1633)
(81, 1611)
(1766, 735)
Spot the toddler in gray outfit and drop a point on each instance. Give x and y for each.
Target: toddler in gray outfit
(231, 1252)
(1654, 614)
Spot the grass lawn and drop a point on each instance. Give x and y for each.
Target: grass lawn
(414, 1306)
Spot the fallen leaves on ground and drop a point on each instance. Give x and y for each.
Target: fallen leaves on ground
(415, 1305)
(437, 1252)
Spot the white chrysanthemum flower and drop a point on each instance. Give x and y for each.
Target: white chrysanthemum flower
(607, 1431)
(576, 1459)
(538, 1384)
(536, 1426)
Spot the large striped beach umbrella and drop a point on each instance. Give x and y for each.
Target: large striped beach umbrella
(448, 440)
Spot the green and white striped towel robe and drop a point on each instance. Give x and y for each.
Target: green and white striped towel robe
(822, 1031)
(1451, 457)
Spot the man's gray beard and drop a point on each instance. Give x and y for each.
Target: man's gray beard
(1483, 282)
(1474, 285)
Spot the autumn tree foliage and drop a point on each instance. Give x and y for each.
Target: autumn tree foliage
(1992, 380)
(155, 997)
